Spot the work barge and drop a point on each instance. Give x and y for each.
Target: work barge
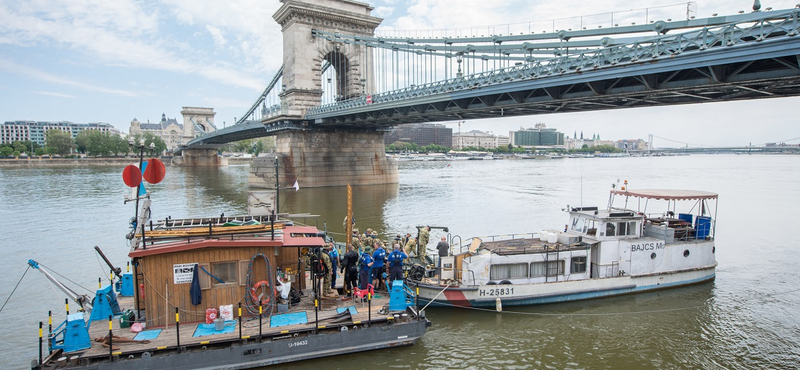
(183, 270)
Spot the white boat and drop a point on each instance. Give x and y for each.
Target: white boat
(600, 253)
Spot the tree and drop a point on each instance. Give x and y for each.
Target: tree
(149, 138)
(19, 146)
(59, 142)
(6, 151)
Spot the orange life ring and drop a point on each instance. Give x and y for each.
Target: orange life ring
(254, 296)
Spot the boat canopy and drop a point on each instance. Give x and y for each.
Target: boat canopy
(666, 194)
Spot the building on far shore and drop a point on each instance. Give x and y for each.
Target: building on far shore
(422, 134)
(196, 121)
(36, 131)
(478, 139)
(538, 136)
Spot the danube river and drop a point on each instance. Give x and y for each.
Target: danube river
(746, 319)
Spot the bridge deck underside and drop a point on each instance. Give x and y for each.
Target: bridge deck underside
(655, 83)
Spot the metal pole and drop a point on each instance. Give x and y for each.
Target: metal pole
(49, 330)
(277, 190)
(240, 320)
(260, 310)
(136, 292)
(369, 308)
(178, 329)
(110, 338)
(40, 345)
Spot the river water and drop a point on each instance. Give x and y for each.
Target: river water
(746, 319)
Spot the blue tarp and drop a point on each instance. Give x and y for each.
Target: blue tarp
(288, 319)
(352, 309)
(208, 329)
(148, 335)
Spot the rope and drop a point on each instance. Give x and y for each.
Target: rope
(250, 303)
(15, 288)
(67, 279)
(209, 274)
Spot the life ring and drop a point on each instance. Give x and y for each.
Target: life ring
(254, 295)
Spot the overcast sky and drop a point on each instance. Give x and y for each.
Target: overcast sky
(112, 61)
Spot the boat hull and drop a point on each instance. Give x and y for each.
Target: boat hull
(252, 354)
(556, 292)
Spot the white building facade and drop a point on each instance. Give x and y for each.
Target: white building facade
(196, 122)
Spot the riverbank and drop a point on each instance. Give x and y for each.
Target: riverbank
(78, 162)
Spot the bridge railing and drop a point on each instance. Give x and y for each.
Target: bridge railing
(776, 24)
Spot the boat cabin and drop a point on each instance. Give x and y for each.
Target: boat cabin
(224, 263)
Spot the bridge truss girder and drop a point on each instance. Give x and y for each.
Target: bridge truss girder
(612, 88)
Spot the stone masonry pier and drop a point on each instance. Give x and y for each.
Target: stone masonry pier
(325, 158)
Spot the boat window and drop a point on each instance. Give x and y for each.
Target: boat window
(611, 229)
(551, 268)
(578, 224)
(632, 230)
(578, 265)
(225, 271)
(509, 271)
(622, 228)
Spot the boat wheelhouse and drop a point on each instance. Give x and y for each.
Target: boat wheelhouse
(600, 252)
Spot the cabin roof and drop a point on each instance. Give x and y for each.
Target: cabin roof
(666, 194)
(292, 236)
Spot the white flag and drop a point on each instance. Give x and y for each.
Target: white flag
(296, 186)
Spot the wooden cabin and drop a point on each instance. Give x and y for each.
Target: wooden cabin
(164, 271)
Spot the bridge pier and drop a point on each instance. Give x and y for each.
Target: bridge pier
(325, 158)
(200, 158)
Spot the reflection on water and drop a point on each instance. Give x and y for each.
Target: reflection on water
(745, 319)
(330, 203)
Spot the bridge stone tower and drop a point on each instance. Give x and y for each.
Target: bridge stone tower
(324, 156)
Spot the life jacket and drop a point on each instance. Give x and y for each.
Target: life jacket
(396, 258)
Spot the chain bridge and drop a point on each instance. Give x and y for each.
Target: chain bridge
(341, 85)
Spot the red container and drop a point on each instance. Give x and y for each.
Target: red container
(211, 315)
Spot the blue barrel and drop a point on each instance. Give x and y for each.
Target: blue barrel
(702, 227)
(685, 217)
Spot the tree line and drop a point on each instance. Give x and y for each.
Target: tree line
(92, 143)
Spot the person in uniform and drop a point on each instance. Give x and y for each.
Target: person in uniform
(350, 269)
(424, 236)
(411, 245)
(366, 263)
(326, 279)
(378, 258)
(396, 264)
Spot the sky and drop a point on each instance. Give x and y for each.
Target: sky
(113, 61)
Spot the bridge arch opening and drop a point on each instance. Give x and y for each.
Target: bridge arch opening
(339, 77)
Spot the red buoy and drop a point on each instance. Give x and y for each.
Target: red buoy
(132, 176)
(154, 171)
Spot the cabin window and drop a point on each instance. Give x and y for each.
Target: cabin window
(611, 229)
(225, 271)
(551, 268)
(632, 230)
(578, 265)
(509, 271)
(622, 228)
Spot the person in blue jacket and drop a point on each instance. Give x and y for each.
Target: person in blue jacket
(396, 263)
(378, 257)
(364, 272)
(334, 255)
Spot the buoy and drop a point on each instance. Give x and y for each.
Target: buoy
(498, 304)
